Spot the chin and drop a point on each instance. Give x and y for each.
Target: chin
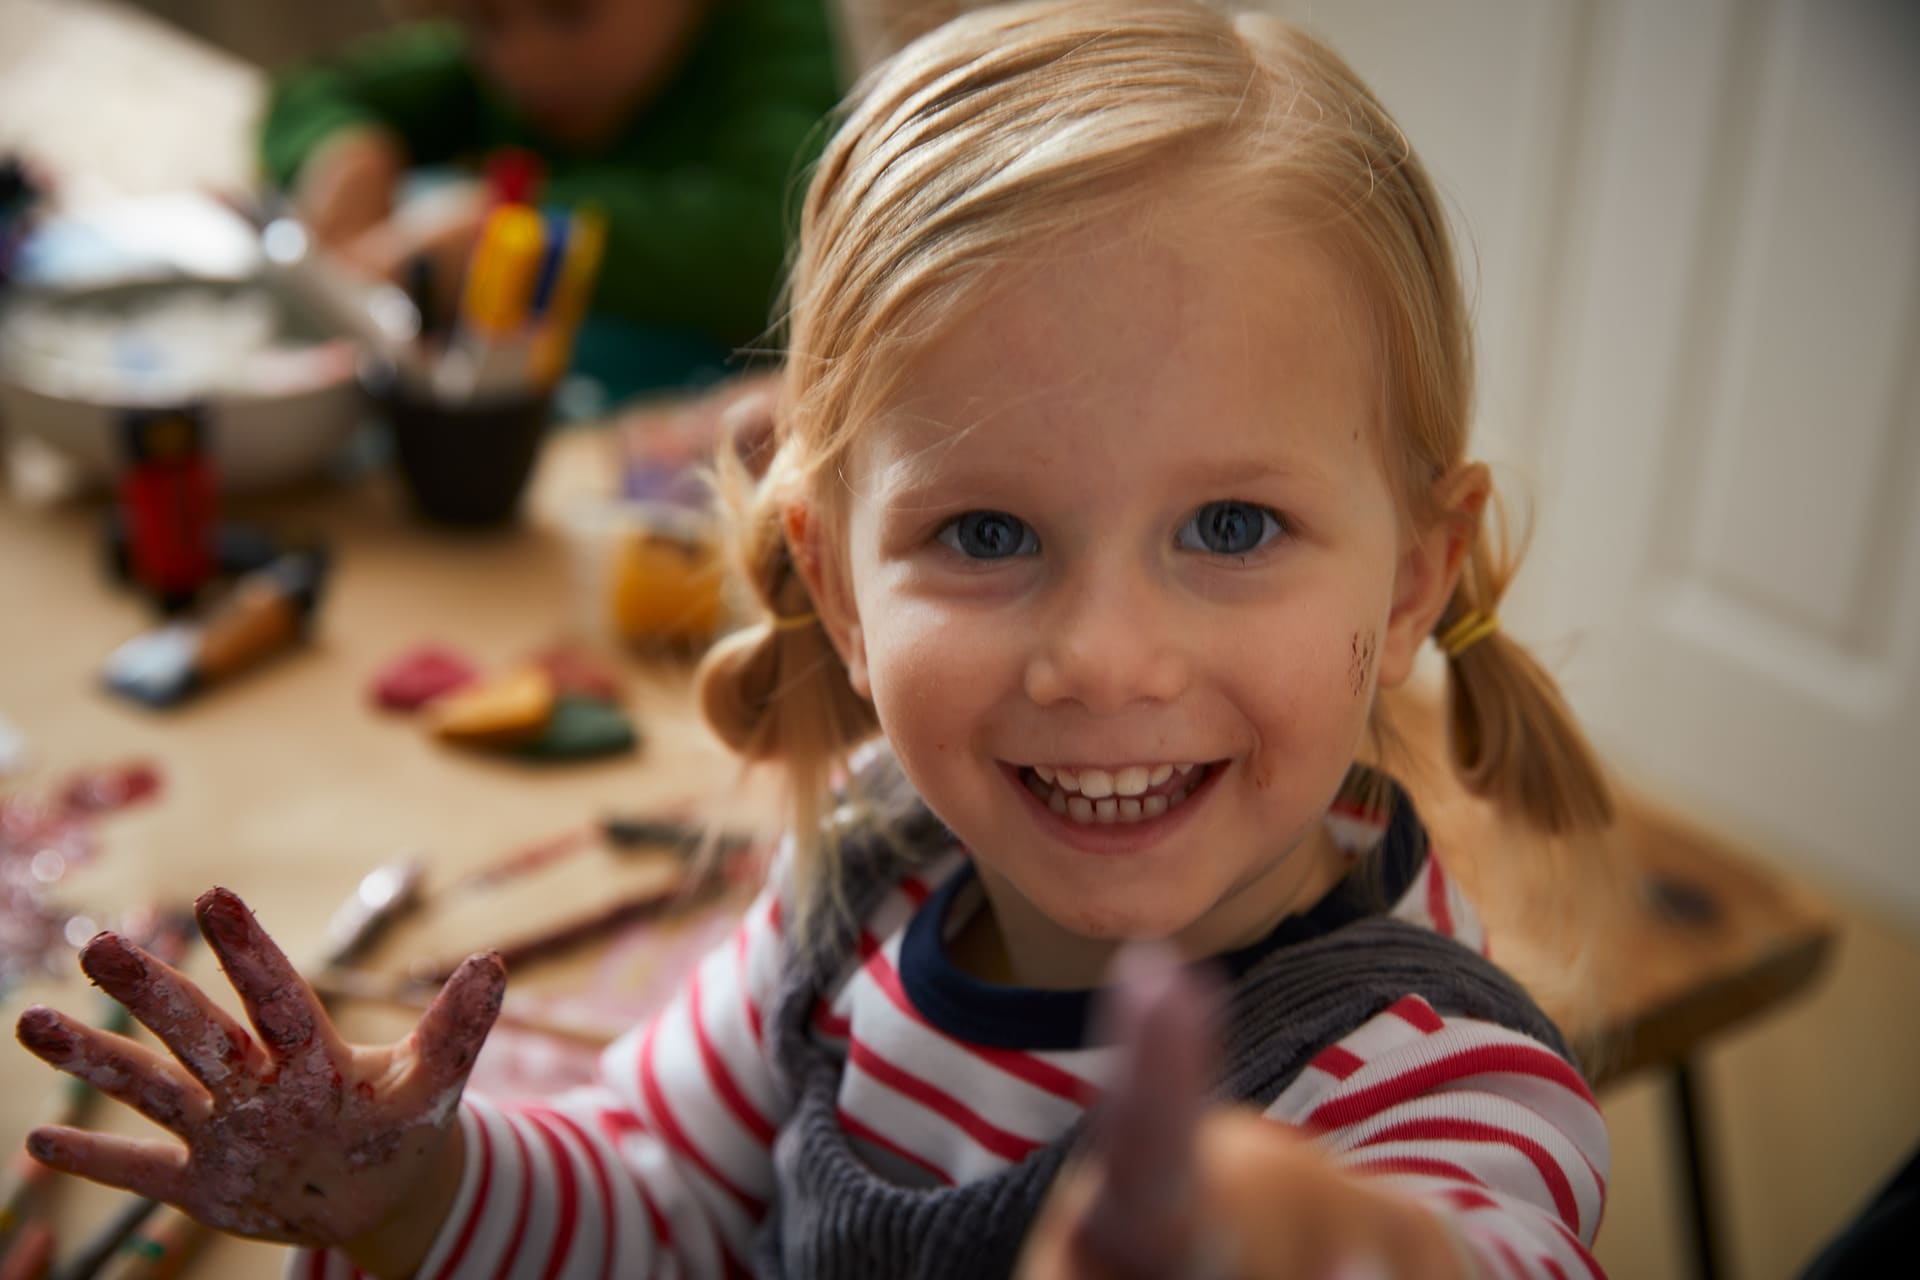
(1118, 923)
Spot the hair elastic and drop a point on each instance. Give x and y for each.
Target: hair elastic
(1468, 630)
(792, 622)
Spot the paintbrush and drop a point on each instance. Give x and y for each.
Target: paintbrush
(382, 896)
(519, 862)
(334, 985)
(159, 1250)
(673, 888)
(621, 833)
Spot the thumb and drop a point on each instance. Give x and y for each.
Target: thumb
(451, 1031)
(1163, 1016)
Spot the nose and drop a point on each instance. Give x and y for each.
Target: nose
(1109, 639)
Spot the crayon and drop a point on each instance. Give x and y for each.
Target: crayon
(553, 348)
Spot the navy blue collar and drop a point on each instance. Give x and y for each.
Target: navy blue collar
(1033, 1018)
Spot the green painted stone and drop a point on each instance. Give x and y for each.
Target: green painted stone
(582, 729)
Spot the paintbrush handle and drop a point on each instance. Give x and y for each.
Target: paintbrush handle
(333, 985)
(521, 861)
(576, 932)
(106, 1242)
(159, 1250)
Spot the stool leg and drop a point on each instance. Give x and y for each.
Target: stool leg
(1699, 1190)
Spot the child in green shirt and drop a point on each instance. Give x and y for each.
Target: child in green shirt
(685, 122)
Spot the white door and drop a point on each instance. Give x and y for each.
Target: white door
(1698, 277)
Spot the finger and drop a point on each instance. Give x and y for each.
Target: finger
(206, 1039)
(1411, 1241)
(1142, 1216)
(278, 1000)
(146, 1167)
(149, 1083)
(450, 1032)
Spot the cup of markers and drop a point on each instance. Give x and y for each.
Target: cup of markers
(467, 417)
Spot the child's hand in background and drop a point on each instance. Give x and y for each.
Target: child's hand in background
(348, 186)
(441, 235)
(1170, 1187)
(297, 1136)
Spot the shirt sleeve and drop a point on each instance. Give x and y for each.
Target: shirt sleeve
(698, 211)
(414, 81)
(663, 1167)
(1483, 1124)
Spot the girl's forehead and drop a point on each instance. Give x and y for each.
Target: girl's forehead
(1107, 330)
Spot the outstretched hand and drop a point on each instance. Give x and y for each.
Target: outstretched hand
(295, 1136)
(1172, 1187)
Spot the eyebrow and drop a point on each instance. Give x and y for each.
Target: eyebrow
(931, 486)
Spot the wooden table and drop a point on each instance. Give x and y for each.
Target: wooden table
(287, 788)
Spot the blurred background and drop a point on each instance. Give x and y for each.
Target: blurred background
(1693, 235)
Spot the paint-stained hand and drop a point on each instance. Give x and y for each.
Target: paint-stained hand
(295, 1136)
(1171, 1187)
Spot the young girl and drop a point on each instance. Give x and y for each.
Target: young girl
(1118, 464)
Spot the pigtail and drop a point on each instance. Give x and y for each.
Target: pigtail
(775, 690)
(1514, 741)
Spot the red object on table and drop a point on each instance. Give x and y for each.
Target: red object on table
(167, 503)
(418, 676)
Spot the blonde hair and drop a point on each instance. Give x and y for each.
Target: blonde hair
(1011, 126)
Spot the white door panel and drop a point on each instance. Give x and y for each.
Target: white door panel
(1699, 240)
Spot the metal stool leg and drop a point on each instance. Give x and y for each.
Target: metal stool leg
(1699, 1189)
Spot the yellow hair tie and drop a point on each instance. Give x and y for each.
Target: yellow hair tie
(796, 622)
(1467, 631)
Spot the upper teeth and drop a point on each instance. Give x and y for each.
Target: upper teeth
(1098, 784)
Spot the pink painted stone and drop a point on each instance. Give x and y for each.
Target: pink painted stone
(419, 676)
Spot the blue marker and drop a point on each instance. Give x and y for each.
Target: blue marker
(554, 254)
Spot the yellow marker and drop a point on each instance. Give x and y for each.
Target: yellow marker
(586, 244)
(500, 278)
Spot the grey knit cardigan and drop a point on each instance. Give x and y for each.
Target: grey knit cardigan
(833, 1217)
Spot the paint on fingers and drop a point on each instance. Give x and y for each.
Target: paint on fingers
(211, 1045)
(277, 999)
(1142, 1219)
(154, 1169)
(456, 1024)
(115, 1067)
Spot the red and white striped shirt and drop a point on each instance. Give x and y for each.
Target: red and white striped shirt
(664, 1167)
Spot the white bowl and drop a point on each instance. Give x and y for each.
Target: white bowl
(276, 393)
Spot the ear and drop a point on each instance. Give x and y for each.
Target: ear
(1429, 568)
(825, 575)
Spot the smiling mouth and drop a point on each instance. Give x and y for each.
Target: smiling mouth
(1114, 797)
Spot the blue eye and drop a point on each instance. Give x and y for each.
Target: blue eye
(988, 535)
(1230, 529)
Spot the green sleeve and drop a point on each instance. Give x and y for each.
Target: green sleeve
(415, 81)
(698, 213)
(699, 246)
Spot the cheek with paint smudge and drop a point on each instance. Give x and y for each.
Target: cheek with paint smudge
(1361, 671)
